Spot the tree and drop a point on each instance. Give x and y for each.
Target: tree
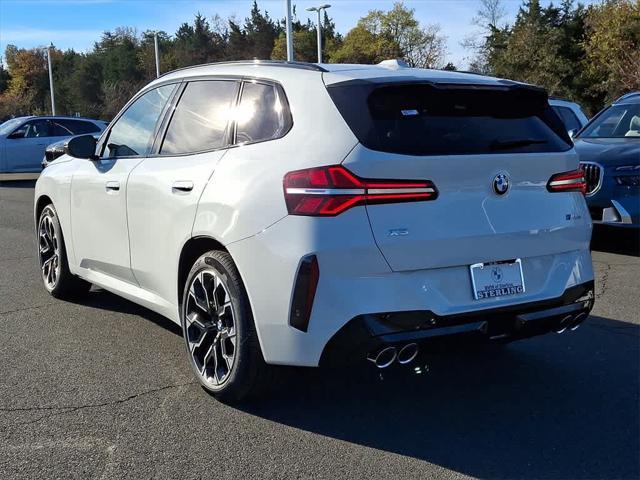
(260, 34)
(362, 46)
(532, 50)
(488, 17)
(383, 35)
(612, 45)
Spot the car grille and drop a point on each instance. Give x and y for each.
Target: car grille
(592, 175)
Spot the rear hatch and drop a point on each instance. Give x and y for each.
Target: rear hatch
(468, 140)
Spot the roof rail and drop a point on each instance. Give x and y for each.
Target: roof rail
(270, 63)
(628, 96)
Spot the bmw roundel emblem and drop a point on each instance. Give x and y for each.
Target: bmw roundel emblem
(501, 184)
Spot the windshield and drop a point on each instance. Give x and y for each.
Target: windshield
(423, 119)
(617, 121)
(9, 125)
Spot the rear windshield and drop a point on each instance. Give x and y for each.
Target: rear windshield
(424, 119)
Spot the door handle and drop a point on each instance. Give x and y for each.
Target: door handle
(113, 186)
(182, 186)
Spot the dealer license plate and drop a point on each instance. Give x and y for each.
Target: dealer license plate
(493, 280)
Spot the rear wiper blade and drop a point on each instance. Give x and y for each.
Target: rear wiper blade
(522, 142)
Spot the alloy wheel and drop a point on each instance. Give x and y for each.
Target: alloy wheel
(49, 250)
(210, 328)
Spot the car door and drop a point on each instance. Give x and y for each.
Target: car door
(99, 187)
(164, 189)
(25, 146)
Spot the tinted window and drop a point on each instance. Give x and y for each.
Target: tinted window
(568, 117)
(77, 127)
(423, 119)
(616, 121)
(261, 114)
(60, 130)
(201, 117)
(36, 129)
(133, 132)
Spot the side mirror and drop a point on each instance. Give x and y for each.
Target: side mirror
(82, 146)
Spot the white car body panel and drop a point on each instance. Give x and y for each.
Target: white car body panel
(161, 216)
(130, 241)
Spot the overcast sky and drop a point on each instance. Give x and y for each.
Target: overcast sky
(78, 23)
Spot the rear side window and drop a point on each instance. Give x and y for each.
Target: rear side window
(568, 117)
(76, 127)
(201, 117)
(262, 114)
(424, 119)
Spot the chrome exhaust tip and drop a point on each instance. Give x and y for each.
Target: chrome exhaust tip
(581, 317)
(408, 353)
(384, 357)
(565, 323)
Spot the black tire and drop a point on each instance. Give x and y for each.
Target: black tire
(248, 374)
(62, 284)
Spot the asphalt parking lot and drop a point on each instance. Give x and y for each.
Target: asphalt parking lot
(102, 389)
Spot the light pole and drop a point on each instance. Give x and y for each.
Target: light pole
(289, 34)
(155, 47)
(53, 97)
(319, 9)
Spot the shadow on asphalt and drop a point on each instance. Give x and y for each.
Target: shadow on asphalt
(624, 241)
(553, 407)
(550, 407)
(18, 183)
(104, 300)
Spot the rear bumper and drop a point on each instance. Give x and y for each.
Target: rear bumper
(365, 334)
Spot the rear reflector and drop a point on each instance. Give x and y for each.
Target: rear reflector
(572, 181)
(304, 293)
(329, 191)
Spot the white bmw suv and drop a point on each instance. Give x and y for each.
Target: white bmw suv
(303, 214)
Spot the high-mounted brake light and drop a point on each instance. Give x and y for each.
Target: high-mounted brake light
(572, 181)
(329, 191)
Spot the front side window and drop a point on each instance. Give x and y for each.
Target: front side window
(261, 114)
(32, 129)
(133, 133)
(201, 117)
(616, 122)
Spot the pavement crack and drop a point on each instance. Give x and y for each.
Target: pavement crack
(59, 410)
(603, 280)
(6, 312)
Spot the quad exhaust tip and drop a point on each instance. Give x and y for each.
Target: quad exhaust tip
(571, 322)
(385, 357)
(577, 321)
(565, 323)
(408, 353)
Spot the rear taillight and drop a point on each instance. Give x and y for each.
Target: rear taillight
(572, 181)
(329, 191)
